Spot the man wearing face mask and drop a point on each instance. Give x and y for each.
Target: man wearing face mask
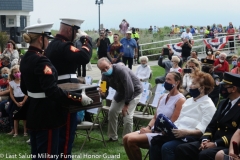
(221, 65)
(223, 125)
(65, 58)
(166, 64)
(128, 90)
(207, 67)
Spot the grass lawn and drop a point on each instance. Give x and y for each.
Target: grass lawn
(18, 145)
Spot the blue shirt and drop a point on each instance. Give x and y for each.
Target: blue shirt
(128, 47)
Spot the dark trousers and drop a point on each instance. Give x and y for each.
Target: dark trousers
(128, 60)
(231, 43)
(190, 151)
(44, 142)
(67, 135)
(83, 73)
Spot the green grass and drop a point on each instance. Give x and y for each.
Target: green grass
(18, 145)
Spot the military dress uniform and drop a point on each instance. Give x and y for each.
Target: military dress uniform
(39, 82)
(219, 131)
(65, 58)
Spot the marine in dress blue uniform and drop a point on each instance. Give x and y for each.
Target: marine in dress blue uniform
(65, 57)
(39, 82)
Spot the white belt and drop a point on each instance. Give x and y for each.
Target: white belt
(67, 76)
(36, 95)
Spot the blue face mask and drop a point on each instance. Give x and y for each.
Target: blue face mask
(4, 75)
(109, 72)
(144, 65)
(168, 86)
(194, 92)
(234, 63)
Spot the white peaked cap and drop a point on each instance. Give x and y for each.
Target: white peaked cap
(72, 22)
(40, 28)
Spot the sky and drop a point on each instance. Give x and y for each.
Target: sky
(139, 13)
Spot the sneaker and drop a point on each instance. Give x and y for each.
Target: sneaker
(15, 135)
(25, 134)
(28, 142)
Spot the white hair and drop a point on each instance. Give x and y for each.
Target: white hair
(223, 54)
(143, 58)
(103, 59)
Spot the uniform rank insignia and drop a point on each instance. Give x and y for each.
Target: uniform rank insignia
(74, 49)
(47, 70)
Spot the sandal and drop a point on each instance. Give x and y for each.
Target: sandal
(10, 133)
(15, 135)
(25, 134)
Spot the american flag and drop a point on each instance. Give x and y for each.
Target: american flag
(176, 48)
(217, 43)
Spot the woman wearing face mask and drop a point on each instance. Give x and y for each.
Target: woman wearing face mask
(143, 70)
(221, 65)
(169, 104)
(175, 68)
(236, 70)
(234, 61)
(194, 117)
(231, 32)
(209, 53)
(195, 66)
(217, 53)
(11, 51)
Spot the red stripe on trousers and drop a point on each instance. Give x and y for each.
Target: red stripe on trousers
(49, 147)
(67, 135)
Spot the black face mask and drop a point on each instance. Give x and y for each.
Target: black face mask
(224, 92)
(170, 57)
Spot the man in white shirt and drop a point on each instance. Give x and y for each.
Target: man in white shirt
(187, 35)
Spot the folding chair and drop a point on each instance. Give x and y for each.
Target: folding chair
(146, 86)
(88, 126)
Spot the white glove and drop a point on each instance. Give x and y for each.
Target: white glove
(85, 99)
(81, 33)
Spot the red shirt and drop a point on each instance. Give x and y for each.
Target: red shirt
(224, 68)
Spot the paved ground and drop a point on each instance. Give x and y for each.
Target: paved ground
(96, 75)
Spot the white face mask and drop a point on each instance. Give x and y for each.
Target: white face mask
(221, 60)
(209, 52)
(144, 65)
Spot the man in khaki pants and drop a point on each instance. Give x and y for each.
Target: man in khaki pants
(128, 90)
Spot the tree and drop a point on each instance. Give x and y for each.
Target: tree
(3, 40)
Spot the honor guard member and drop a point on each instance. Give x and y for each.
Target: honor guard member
(223, 125)
(65, 58)
(207, 67)
(39, 82)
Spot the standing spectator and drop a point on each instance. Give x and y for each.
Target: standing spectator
(221, 128)
(192, 30)
(150, 29)
(196, 30)
(221, 65)
(155, 29)
(128, 91)
(124, 27)
(130, 49)
(186, 47)
(208, 33)
(115, 50)
(182, 29)
(175, 68)
(11, 51)
(135, 36)
(230, 33)
(194, 54)
(110, 36)
(172, 29)
(102, 44)
(210, 54)
(65, 58)
(166, 65)
(220, 30)
(176, 30)
(236, 70)
(187, 35)
(19, 107)
(143, 71)
(201, 31)
(214, 28)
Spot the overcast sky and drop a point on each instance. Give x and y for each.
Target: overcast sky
(139, 13)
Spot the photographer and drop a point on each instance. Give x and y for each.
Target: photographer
(166, 64)
(102, 44)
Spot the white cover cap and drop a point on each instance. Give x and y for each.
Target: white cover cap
(40, 28)
(72, 22)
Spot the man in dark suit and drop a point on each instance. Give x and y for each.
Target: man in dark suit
(222, 126)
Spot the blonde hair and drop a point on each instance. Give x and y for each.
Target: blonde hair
(195, 61)
(11, 76)
(234, 56)
(175, 58)
(30, 37)
(217, 52)
(5, 69)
